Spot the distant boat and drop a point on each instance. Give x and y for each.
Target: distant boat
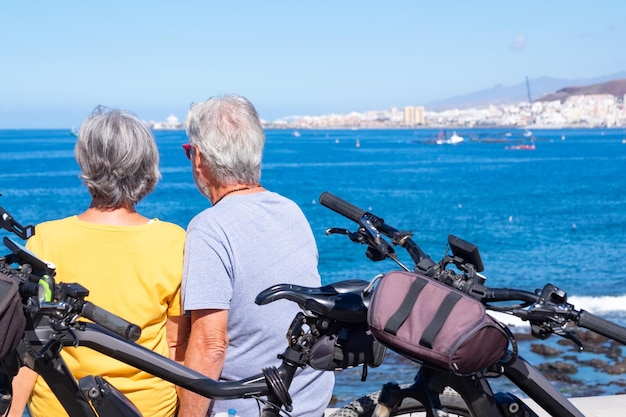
(358, 143)
(74, 132)
(522, 147)
(452, 140)
(528, 133)
(296, 134)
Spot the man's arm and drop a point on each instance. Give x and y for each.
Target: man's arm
(206, 352)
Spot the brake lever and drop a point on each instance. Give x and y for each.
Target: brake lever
(337, 231)
(358, 237)
(378, 248)
(376, 239)
(568, 334)
(552, 318)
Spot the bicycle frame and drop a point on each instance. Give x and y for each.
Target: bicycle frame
(478, 395)
(76, 396)
(539, 388)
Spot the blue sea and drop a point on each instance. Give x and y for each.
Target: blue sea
(553, 214)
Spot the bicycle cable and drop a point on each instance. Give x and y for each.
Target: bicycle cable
(276, 383)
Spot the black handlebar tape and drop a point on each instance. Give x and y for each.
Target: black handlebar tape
(111, 322)
(342, 207)
(602, 326)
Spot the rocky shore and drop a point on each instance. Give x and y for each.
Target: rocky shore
(599, 369)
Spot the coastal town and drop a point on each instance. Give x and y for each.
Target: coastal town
(583, 111)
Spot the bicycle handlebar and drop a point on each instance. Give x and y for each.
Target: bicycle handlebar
(342, 207)
(368, 220)
(110, 321)
(601, 326)
(555, 310)
(509, 294)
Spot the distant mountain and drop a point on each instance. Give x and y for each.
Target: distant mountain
(614, 87)
(497, 95)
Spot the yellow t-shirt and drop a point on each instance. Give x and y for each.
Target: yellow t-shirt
(132, 271)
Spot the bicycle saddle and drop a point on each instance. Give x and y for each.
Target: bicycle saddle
(341, 301)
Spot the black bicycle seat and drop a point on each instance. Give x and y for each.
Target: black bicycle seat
(341, 300)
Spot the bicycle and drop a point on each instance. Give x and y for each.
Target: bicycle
(330, 333)
(438, 392)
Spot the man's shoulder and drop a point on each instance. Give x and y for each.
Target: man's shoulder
(206, 215)
(271, 197)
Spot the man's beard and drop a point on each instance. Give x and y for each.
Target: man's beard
(202, 187)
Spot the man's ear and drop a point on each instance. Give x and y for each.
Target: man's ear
(200, 167)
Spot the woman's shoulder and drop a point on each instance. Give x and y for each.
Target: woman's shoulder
(167, 227)
(56, 224)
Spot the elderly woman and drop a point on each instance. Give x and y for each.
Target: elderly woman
(131, 264)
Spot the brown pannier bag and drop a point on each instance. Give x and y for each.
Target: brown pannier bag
(433, 323)
(12, 319)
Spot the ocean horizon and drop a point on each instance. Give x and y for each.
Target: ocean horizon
(555, 213)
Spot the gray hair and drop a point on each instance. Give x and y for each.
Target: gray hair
(118, 158)
(227, 132)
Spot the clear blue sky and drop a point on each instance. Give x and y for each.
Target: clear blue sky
(59, 59)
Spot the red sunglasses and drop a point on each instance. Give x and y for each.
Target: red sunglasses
(188, 147)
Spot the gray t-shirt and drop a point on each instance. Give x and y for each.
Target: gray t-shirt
(235, 250)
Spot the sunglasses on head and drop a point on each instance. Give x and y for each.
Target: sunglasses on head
(188, 147)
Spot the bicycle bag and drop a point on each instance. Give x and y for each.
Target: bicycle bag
(433, 323)
(12, 319)
(346, 346)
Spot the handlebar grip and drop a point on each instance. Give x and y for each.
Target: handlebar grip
(111, 322)
(601, 326)
(342, 207)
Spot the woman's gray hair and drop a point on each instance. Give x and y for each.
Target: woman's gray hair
(118, 158)
(227, 132)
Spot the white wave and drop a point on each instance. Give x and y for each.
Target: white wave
(27, 175)
(509, 320)
(22, 156)
(599, 305)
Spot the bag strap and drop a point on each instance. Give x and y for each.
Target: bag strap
(395, 321)
(444, 310)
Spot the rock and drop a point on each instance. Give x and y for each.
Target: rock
(615, 352)
(545, 350)
(591, 337)
(558, 367)
(595, 363)
(616, 369)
